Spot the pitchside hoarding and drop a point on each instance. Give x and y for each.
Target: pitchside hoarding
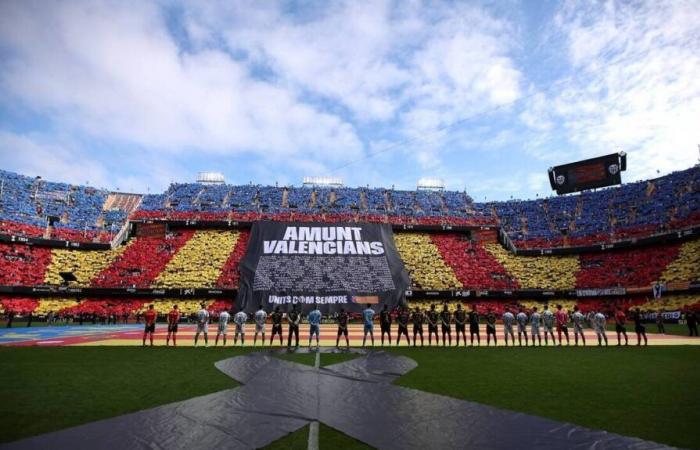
(331, 265)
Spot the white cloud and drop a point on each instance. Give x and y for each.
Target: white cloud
(632, 83)
(112, 70)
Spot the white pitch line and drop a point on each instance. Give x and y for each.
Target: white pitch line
(49, 342)
(313, 426)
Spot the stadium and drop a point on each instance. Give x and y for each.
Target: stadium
(380, 282)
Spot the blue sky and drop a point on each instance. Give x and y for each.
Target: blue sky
(486, 95)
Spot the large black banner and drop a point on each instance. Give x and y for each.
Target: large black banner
(331, 265)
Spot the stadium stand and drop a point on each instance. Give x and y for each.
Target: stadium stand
(686, 267)
(548, 272)
(199, 261)
(85, 265)
(425, 266)
(142, 261)
(37, 208)
(23, 265)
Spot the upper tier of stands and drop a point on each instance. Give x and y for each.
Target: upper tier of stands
(631, 210)
(77, 213)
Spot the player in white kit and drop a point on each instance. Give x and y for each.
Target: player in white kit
(522, 326)
(260, 319)
(202, 325)
(223, 326)
(535, 319)
(240, 319)
(548, 320)
(578, 320)
(508, 320)
(600, 321)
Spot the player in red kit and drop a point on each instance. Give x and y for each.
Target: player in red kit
(150, 318)
(173, 320)
(620, 325)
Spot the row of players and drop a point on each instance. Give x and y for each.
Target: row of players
(443, 319)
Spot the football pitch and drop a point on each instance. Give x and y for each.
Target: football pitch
(649, 393)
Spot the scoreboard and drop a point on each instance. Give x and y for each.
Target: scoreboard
(588, 174)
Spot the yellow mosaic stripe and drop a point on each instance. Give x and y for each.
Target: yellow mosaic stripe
(538, 272)
(424, 261)
(200, 261)
(85, 264)
(686, 267)
(672, 303)
(47, 305)
(186, 307)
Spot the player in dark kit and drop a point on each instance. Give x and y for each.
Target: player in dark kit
(342, 328)
(293, 319)
(403, 319)
(620, 325)
(385, 323)
(432, 317)
(491, 328)
(276, 325)
(639, 327)
(418, 318)
(150, 318)
(445, 321)
(460, 321)
(474, 326)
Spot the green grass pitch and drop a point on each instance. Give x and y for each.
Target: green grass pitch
(649, 392)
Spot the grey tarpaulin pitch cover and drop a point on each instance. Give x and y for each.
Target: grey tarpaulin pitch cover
(333, 265)
(354, 397)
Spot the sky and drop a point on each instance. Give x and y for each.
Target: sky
(484, 95)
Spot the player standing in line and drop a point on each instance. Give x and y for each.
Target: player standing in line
(562, 317)
(315, 325)
(548, 319)
(491, 328)
(368, 318)
(173, 320)
(150, 318)
(660, 322)
(223, 327)
(522, 326)
(474, 326)
(535, 320)
(202, 325)
(293, 319)
(418, 319)
(260, 319)
(385, 323)
(276, 325)
(578, 320)
(445, 321)
(432, 326)
(403, 319)
(342, 328)
(240, 319)
(620, 325)
(599, 324)
(508, 320)
(639, 327)
(460, 323)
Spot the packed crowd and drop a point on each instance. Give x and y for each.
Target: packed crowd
(631, 210)
(449, 261)
(34, 207)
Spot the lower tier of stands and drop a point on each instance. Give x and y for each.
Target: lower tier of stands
(123, 308)
(210, 259)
